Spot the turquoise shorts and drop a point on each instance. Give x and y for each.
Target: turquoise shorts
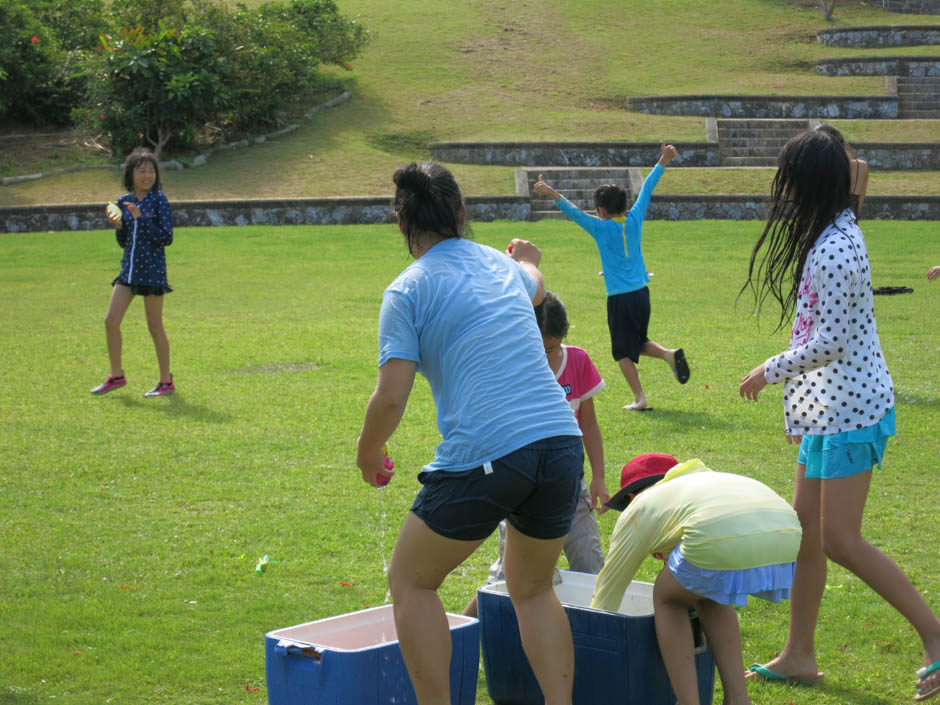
(845, 454)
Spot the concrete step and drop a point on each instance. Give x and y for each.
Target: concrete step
(547, 203)
(566, 172)
(585, 190)
(749, 161)
(920, 95)
(917, 80)
(754, 141)
(764, 123)
(553, 214)
(578, 184)
(919, 114)
(744, 134)
(920, 105)
(749, 152)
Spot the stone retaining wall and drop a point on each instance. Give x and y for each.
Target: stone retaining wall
(914, 7)
(777, 106)
(880, 36)
(915, 66)
(899, 156)
(300, 211)
(744, 207)
(879, 155)
(347, 211)
(580, 154)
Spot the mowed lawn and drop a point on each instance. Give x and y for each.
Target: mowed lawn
(132, 526)
(493, 70)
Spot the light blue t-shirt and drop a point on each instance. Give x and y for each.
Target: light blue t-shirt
(463, 312)
(619, 240)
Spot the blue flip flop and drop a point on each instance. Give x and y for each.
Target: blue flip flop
(766, 674)
(922, 673)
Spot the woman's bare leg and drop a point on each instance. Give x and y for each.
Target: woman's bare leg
(529, 565)
(419, 564)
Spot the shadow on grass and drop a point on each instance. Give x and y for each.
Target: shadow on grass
(915, 398)
(679, 419)
(848, 695)
(18, 696)
(176, 405)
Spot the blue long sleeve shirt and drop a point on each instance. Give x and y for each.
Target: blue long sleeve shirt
(619, 239)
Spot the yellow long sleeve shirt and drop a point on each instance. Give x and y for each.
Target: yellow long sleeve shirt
(724, 522)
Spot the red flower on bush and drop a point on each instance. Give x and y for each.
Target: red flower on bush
(101, 117)
(35, 40)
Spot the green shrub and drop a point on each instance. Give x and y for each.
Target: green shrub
(44, 48)
(204, 64)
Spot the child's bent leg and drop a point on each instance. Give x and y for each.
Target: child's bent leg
(583, 545)
(720, 624)
(121, 297)
(674, 633)
(843, 501)
(420, 562)
(798, 657)
(653, 349)
(154, 308)
(543, 625)
(630, 373)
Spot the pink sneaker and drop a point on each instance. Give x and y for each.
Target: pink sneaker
(109, 384)
(162, 389)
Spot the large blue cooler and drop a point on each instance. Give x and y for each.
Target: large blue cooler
(616, 655)
(354, 659)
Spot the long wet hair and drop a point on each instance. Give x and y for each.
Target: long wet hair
(810, 188)
(837, 136)
(135, 159)
(428, 202)
(551, 317)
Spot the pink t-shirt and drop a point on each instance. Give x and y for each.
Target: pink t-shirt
(578, 376)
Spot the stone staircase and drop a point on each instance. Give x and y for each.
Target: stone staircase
(918, 97)
(577, 184)
(755, 142)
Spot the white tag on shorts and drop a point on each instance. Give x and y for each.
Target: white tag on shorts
(487, 468)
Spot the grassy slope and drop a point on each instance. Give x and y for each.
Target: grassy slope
(501, 70)
(132, 526)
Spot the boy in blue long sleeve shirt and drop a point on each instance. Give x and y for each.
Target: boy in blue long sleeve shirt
(618, 234)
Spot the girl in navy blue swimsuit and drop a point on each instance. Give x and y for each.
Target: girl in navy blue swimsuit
(144, 227)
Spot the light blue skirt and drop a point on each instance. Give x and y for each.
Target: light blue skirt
(828, 457)
(732, 587)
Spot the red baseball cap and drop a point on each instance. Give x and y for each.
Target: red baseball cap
(641, 472)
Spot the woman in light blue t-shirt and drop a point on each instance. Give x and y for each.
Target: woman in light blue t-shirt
(462, 315)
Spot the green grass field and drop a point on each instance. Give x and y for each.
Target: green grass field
(132, 526)
(494, 70)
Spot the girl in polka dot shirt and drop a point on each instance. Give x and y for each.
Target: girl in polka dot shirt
(838, 395)
(143, 226)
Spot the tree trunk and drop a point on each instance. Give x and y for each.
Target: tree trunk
(827, 6)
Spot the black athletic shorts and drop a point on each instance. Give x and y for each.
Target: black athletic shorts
(628, 318)
(536, 488)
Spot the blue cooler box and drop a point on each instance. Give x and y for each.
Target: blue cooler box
(354, 659)
(616, 656)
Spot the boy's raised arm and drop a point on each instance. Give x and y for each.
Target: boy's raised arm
(543, 189)
(666, 153)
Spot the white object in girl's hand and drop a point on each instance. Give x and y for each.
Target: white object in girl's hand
(114, 212)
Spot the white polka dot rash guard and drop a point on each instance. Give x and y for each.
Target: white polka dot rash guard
(835, 375)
